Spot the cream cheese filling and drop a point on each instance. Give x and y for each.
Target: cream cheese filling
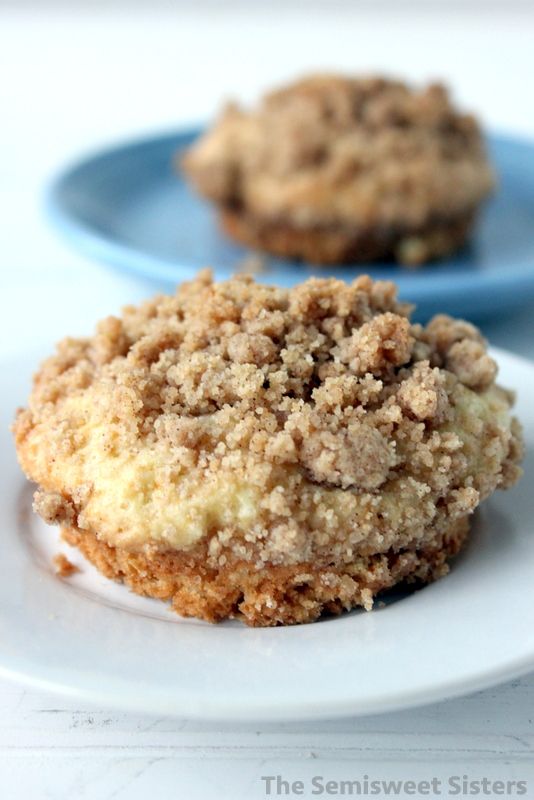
(137, 496)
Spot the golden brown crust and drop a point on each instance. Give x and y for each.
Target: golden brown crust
(342, 244)
(274, 595)
(334, 169)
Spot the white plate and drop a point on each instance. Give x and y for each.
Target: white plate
(93, 639)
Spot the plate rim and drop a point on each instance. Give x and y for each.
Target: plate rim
(271, 711)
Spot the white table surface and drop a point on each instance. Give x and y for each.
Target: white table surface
(74, 78)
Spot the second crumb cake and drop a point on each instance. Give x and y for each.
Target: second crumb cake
(246, 450)
(333, 169)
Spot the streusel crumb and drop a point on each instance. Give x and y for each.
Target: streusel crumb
(311, 441)
(64, 567)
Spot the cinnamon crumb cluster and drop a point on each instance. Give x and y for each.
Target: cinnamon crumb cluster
(235, 432)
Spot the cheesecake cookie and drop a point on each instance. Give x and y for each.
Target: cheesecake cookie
(245, 450)
(336, 170)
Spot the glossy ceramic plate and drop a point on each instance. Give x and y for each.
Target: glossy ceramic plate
(131, 208)
(90, 638)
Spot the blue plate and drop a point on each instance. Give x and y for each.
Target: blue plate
(127, 206)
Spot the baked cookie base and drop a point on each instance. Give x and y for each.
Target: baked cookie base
(272, 595)
(343, 245)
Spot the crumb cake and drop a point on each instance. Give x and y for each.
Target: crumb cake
(335, 170)
(244, 450)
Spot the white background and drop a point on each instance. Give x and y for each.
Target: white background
(76, 76)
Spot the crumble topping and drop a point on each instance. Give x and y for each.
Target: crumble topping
(276, 425)
(53, 508)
